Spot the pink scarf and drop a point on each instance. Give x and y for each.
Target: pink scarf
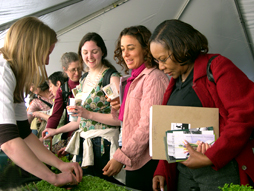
(134, 74)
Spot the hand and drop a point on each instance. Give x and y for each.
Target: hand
(37, 114)
(51, 133)
(70, 167)
(115, 103)
(196, 159)
(66, 178)
(113, 167)
(51, 96)
(81, 112)
(62, 152)
(202, 147)
(158, 183)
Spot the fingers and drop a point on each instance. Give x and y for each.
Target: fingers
(61, 152)
(158, 183)
(78, 171)
(202, 147)
(161, 184)
(188, 147)
(105, 170)
(44, 133)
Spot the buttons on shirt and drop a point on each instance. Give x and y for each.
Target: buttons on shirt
(244, 167)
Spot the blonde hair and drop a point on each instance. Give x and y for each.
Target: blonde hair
(26, 47)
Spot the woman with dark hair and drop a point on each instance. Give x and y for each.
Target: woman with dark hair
(181, 52)
(72, 68)
(144, 88)
(96, 126)
(41, 100)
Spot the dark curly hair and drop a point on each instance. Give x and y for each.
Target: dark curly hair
(142, 34)
(184, 42)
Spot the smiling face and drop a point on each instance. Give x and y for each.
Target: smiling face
(92, 55)
(132, 52)
(73, 71)
(169, 67)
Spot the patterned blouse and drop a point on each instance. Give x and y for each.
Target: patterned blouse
(37, 105)
(95, 102)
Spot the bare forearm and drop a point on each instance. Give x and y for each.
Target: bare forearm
(18, 151)
(41, 151)
(71, 126)
(104, 118)
(44, 116)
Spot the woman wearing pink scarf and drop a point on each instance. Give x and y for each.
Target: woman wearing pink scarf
(144, 88)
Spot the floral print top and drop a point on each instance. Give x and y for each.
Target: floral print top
(95, 102)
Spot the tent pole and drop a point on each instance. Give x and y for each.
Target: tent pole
(179, 14)
(247, 36)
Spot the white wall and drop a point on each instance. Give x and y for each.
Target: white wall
(217, 20)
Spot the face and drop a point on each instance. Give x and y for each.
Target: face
(132, 52)
(52, 88)
(34, 90)
(91, 54)
(73, 71)
(50, 50)
(160, 53)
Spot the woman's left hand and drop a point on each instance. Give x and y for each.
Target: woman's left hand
(196, 159)
(81, 112)
(37, 114)
(113, 167)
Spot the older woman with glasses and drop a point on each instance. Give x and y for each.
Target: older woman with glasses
(72, 68)
(144, 88)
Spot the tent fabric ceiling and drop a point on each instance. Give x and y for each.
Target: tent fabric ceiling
(59, 19)
(229, 31)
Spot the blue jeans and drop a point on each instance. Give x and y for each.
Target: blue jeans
(100, 160)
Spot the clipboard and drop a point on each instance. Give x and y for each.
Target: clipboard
(161, 117)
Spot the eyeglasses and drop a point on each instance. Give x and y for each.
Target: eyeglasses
(73, 70)
(162, 61)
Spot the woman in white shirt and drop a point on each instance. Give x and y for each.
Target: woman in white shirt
(26, 50)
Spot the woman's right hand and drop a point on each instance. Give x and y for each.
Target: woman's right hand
(62, 152)
(65, 178)
(50, 133)
(115, 103)
(158, 183)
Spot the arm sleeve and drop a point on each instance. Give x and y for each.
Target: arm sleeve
(152, 94)
(32, 108)
(8, 132)
(58, 109)
(236, 102)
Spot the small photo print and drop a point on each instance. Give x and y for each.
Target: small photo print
(111, 91)
(180, 126)
(108, 91)
(74, 92)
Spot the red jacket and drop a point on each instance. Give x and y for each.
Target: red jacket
(233, 94)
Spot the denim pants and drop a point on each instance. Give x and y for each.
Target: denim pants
(100, 160)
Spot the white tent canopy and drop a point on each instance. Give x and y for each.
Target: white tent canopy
(228, 24)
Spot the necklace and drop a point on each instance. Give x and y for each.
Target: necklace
(93, 83)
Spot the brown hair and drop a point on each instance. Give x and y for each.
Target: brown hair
(142, 34)
(26, 48)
